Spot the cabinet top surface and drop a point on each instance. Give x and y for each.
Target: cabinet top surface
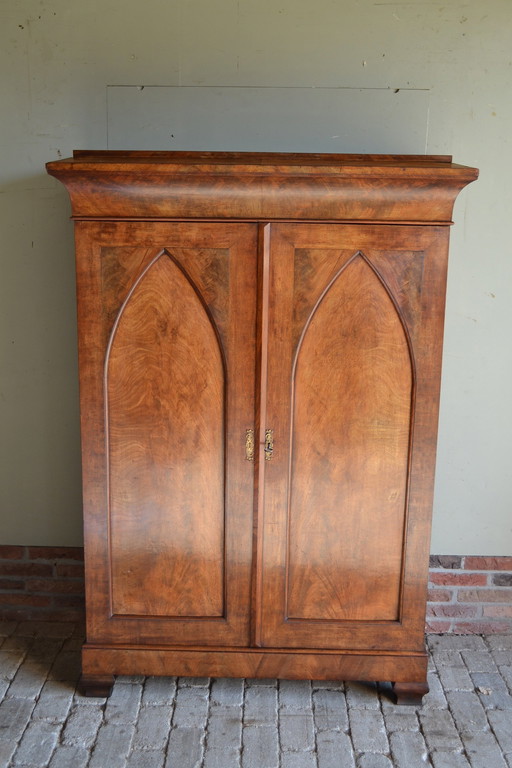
(257, 163)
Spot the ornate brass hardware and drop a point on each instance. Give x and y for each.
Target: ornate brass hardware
(249, 444)
(269, 444)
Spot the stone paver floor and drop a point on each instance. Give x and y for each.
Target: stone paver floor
(465, 721)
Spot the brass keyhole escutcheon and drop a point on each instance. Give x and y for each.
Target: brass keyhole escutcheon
(249, 444)
(269, 444)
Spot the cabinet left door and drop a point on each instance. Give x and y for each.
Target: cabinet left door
(167, 315)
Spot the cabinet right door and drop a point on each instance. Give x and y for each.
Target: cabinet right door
(355, 315)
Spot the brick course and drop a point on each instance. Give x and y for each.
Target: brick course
(467, 594)
(439, 595)
(487, 563)
(464, 579)
(11, 553)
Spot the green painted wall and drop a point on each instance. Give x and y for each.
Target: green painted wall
(57, 59)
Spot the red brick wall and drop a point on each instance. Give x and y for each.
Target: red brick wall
(44, 583)
(466, 594)
(470, 594)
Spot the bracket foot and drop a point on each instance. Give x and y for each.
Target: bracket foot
(409, 693)
(97, 685)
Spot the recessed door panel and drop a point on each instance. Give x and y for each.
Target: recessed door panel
(165, 382)
(351, 406)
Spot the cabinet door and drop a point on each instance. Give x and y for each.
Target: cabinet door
(354, 344)
(167, 346)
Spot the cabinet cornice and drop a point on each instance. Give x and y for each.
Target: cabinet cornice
(253, 186)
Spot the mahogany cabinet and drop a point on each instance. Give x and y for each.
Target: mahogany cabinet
(260, 347)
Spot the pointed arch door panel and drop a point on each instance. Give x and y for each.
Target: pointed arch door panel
(172, 515)
(345, 369)
(165, 386)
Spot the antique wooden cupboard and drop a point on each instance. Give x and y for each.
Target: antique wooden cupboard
(260, 347)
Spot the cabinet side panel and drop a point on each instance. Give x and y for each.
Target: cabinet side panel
(165, 424)
(351, 413)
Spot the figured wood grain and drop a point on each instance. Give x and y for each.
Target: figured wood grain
(120, 268)
(262, 186)
(351, 401)
(165, 384)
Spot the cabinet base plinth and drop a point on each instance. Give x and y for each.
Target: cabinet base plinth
(409, 693)
(100, 662)
(96, 685)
